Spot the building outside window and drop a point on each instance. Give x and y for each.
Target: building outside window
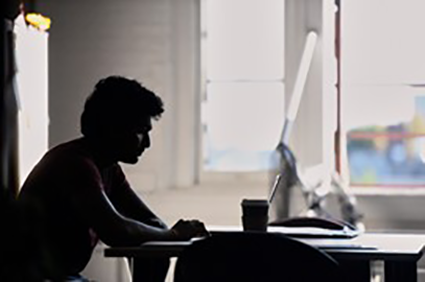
(383, 92)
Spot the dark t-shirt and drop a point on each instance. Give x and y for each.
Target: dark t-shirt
(55, 221)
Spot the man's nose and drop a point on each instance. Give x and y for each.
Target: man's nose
(147, 141)
(144, 140)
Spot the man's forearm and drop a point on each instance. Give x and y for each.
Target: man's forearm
(131, 232)
(156, 222)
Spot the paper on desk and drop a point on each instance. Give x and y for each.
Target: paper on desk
(313, 232)
(172, 243)
(301, 232)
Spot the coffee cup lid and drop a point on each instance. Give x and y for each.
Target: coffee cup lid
(255, 202)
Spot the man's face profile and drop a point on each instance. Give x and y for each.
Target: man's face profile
(129, 142)
(117, 117)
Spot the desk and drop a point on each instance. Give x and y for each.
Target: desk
(400, 253)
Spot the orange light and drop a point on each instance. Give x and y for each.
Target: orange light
(39, 21)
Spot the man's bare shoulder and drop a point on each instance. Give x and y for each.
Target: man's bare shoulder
(70, 159)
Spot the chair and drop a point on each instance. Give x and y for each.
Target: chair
(18, 260)
(15, 254)
(254, 256)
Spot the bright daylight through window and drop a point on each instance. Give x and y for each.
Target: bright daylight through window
(243, 89)
(383, 92)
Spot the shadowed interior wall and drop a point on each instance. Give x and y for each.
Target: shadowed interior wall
(93, 39)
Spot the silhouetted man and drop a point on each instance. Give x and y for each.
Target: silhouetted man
(78, 193)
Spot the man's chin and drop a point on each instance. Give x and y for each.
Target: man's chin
(130, 160)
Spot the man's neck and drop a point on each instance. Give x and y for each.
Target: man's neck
(101, 152)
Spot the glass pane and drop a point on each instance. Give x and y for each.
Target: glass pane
(243, 122)
(386, 142)
(244, 39)
(383, 41)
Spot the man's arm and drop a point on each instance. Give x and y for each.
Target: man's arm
(131, 205)
(83, 184)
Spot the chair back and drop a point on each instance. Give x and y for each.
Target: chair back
(254, 256)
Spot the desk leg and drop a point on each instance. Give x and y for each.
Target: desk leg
(355, 271)
(149, 270)
(400, 271)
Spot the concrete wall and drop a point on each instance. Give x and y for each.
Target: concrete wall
(150, 40)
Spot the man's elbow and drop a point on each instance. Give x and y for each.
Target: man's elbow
(113, 239)
(118, 236)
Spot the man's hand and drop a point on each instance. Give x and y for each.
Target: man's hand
(187, 229)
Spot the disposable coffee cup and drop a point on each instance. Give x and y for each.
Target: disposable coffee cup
(255, 214)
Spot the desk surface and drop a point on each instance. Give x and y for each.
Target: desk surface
(373, 246)
(400, 253)
(367, 246)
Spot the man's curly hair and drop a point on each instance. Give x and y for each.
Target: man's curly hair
(118, 102)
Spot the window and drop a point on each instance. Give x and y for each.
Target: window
(243, 89)
(383, 92)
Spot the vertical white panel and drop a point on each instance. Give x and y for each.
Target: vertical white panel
(32, 80)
